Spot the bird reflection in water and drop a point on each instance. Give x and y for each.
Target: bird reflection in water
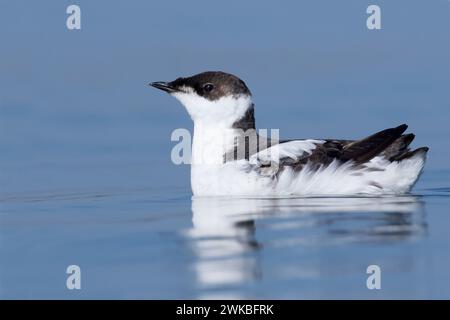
(230, 234)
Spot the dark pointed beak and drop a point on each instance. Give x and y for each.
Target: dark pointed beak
(164, 86)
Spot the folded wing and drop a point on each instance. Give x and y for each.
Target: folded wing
(391, 144)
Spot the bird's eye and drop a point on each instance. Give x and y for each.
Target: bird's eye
(208, 87)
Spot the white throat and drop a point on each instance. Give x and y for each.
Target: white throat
(213, 124)
(222, 112)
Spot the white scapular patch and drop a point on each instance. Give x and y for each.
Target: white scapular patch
(292, 149)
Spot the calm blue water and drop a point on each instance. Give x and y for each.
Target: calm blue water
(85, 170)
(158, 243)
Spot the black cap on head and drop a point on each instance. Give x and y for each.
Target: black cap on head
(211, 85)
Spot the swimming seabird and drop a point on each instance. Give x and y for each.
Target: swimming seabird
(230, 158)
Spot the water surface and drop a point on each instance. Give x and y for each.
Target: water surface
(160, 243)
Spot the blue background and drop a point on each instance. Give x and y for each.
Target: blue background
(78, 120)
(80, 98)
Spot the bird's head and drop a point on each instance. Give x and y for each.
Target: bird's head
(211, 97)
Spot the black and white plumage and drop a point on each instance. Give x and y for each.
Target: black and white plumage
(230, 158)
